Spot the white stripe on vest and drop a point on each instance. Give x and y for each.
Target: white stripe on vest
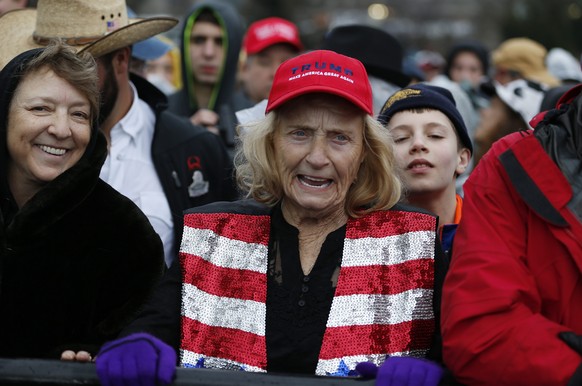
(245, 315)
(359, 306)
(388, 250)
(224, 252)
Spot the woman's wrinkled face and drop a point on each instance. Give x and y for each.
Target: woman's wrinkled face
(49, 128)
(319, 146)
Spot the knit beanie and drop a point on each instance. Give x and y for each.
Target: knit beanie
(426, 96)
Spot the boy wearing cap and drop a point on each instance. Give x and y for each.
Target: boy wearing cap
(432, 149)
(267, 43)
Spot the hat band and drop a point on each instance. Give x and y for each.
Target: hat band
(74, 41)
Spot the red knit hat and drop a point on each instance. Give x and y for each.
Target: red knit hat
(322, 71)
(267, 32)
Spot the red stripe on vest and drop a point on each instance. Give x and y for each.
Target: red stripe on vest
(386, 279)
(382, 224)
(250, 229)
(220, 342)
(373, 339)
(223, 282)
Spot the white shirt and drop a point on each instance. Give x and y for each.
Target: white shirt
(130, 170)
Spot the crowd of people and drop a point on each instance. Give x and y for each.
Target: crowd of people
(235, 200)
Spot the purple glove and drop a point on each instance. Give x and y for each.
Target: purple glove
(138, 359)
(402, 371)
(367, 370)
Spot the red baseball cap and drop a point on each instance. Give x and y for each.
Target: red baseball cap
(267, 32)
(321, 71)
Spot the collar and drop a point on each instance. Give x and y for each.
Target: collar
(132, 122)
(458, 209)
(446, 229)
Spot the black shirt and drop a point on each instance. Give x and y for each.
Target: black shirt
(298, 305)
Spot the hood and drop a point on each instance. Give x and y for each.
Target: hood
(94, 155)
(232, 25)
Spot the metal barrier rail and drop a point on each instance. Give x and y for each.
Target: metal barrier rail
(51, 372)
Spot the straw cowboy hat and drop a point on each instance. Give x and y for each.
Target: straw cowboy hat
(98, 26)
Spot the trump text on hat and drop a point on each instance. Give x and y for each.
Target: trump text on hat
(310, 69)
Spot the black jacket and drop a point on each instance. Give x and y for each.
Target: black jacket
(183, 153)
(77, 261)
(184, 102)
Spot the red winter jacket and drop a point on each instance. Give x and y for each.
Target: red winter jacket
(515, 277)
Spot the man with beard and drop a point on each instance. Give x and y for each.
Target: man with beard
(160, 161)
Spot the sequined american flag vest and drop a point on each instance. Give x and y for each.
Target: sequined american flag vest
(382, 304)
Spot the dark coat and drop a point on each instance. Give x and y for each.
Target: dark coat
(76, 263)
(77, 260)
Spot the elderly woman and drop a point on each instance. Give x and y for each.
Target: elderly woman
(77, 259)
(318, 271)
